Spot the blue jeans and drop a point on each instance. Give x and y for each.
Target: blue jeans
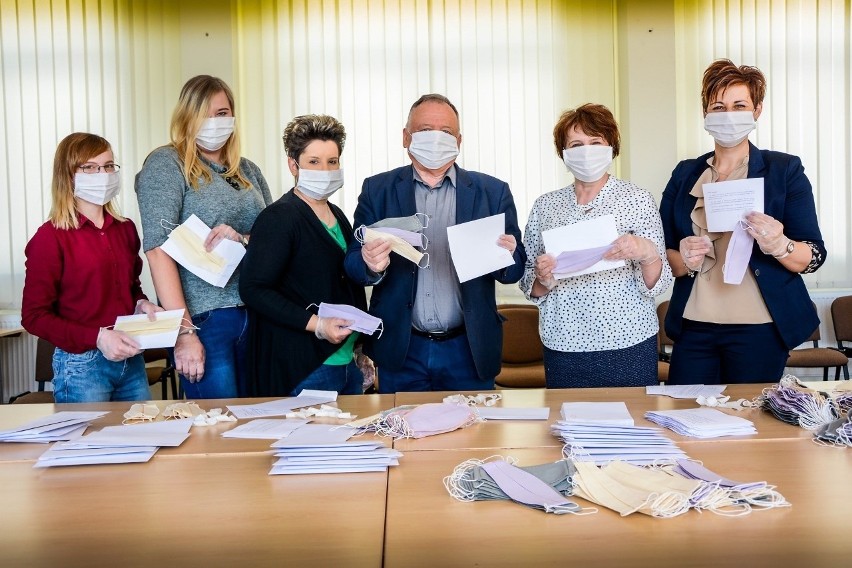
(223, 333)
(435, 366)
(345, 379)
(91, 377)
(715, 353)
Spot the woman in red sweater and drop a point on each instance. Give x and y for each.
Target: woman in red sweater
(82, 271)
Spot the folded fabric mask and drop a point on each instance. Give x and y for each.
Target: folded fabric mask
(569, 262)
(525, 488)
(724, 402)
(147, 327)
(192, 247)
(424, 420)
(737, 255)
(141, 411)
(412, 223)
(362, 322)
(398, 244)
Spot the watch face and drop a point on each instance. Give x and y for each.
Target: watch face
(791, 246)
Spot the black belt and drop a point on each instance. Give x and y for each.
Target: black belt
(439, 335)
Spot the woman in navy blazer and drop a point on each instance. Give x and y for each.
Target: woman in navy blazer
(738, 332)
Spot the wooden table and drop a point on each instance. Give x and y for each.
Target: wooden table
(426, 527)
(536, 434)
(205, 440)
(221, 510)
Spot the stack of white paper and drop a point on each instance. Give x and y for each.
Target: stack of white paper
(265, 428)
(282, 406)
(702, 422)
(685, 391)
(611, 413)
(57, 427)
(602, 443)
(323, 448)
(131, 443)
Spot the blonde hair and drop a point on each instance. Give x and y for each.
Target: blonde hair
(190, 113)
(73, 151)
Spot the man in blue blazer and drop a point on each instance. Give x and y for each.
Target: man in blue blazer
(438, 334)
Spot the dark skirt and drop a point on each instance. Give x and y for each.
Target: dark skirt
(634, 366)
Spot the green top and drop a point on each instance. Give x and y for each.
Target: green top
(343, 355)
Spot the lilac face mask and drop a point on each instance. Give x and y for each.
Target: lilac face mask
(524, 487)
(737, 255)
(572, 261)
(362, 322)
(437, 418)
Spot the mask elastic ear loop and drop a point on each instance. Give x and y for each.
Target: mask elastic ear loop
(358, 233)
(425, 221)
(380, 329)
(312, 305)
(190, 326)
(425, 241)
(419, 264)
(168, 225)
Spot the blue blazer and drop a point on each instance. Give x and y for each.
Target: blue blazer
(787, 197)
(391, 194)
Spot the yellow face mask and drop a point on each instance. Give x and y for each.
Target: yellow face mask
(148, 327)
(193, 249)
(398, 245)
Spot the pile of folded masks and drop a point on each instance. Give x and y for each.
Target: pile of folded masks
(421, 420)
(825, 414)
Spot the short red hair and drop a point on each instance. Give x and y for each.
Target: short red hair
(594, 120)
(722, 73)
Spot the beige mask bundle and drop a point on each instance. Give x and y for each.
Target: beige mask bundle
(193, 249)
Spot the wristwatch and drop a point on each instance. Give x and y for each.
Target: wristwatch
(791, 246)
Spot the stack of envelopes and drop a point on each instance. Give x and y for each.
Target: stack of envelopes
(603, 443)
(58, 427)
(323, 448)
(702, 422)
(132, 443)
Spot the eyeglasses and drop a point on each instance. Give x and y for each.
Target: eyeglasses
(95, 168)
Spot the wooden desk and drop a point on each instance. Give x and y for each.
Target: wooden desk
(426, 527)
(205, 440)
(536, 433)
(189, 511)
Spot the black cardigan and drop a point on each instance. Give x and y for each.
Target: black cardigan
(291, 263)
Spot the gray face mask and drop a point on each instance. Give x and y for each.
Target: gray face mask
(541, 487)
(414, 223)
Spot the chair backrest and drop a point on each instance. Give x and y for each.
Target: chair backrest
(521, 341)
(841, 315)
(663, 340)
(44, 361)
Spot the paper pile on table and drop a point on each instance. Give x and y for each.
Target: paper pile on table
(282, 406)
(611, 413)
(685, 391)
(603, 443)
(702, 422)
(323, 448)
(57, 427)
(132, 443)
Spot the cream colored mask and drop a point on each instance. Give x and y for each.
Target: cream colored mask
(398, 245)
(193, 249)
(141, 412)
(148, 327)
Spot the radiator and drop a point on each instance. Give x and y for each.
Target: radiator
(17, 365)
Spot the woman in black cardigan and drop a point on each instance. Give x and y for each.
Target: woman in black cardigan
(294, 262)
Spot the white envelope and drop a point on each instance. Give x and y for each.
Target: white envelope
(154, 340)
(582, 235)
(474, 248)
(233, 252)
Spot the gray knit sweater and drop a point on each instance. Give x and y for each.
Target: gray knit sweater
(165, 200)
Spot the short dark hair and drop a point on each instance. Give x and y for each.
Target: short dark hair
(722, 73)
(432, 97)
(594, 120)
(304, 129)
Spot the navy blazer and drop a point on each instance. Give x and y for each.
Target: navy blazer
(391, 194)
(788, 198)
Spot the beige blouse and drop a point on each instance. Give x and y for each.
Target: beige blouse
(711, 300)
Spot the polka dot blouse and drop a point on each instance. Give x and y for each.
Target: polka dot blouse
(611, 309)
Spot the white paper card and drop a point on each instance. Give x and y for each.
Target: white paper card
(613, 413)
(232, 251)
(685, 391)
(726, 202)
(162, 338)
(474, 247)
(582, 235)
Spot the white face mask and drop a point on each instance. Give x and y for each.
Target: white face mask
(729, 128)
(433, 149)
(215, 132)
(97, 188)
(319, 184)
(588, 163)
